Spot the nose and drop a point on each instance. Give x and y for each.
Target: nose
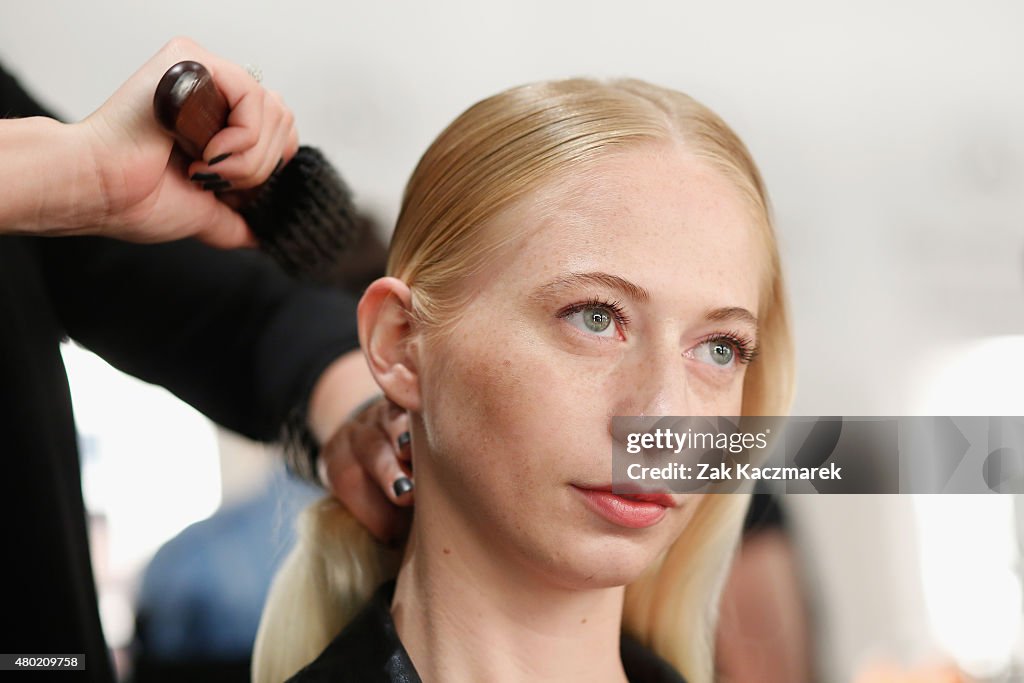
(656, 384)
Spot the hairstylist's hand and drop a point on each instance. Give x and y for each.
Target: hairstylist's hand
(365, 457)
(367, 465)
(143, 193)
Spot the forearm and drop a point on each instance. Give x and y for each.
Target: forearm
(226, 331)
(48, 179)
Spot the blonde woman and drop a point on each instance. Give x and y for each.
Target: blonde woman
(566, 252)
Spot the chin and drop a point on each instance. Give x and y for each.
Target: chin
(587, 563)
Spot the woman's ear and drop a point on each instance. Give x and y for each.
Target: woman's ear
(385, 333)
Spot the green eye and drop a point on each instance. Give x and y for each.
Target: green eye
(596, 319)
(721, 353)
(725, 350)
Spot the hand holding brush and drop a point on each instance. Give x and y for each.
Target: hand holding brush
(118, 173)
(302, 214)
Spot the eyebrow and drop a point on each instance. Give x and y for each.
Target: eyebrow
(635, 292)
(732, 314)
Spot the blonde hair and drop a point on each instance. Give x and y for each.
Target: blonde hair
(497, 152)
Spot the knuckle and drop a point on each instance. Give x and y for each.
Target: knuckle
(271, 116)
(180, 45)
(285, 118)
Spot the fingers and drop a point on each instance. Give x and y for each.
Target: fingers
(360, 465)
(260, 132)
(253, 145)
(245, 126)
(363, 498)
(151, 202)
(375, 446)
(358, 487)
(395, 422)
(260, 135)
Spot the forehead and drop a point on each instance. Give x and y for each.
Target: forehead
(654, 215)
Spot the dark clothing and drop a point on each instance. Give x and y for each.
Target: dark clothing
(224, 330)
(368, 651)
(764, 513)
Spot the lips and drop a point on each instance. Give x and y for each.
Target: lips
(665, 500)
(632, 511)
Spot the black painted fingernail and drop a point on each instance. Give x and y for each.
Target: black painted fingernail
(404, 439)
(402, 486)
(205, 177)
(217, 185)
(217, 159)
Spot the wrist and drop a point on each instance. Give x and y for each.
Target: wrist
(73, 198)
(49, 174)
(92, 177)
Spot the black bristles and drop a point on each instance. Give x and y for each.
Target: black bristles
(303, 216)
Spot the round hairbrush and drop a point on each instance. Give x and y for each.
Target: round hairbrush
(302, 215)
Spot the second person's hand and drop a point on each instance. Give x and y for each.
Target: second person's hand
(145, 193)
(367, 465)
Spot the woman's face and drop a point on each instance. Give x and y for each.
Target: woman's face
(621, 299)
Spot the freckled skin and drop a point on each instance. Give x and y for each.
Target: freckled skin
(517, 402)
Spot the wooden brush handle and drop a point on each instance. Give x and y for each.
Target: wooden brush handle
(188, 104)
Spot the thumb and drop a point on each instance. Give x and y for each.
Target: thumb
(225, 229)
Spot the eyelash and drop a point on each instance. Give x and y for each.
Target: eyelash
(618, 312)
(745, 348)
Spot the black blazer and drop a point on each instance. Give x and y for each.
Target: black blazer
(368, 651)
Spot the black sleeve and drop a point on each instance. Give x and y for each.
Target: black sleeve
(764, 513)
(226, 331)
(15, 103)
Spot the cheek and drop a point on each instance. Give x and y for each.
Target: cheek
(731, 402)
(484, 398)
(713, 396)
(477, 409)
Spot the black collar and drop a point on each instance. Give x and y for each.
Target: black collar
(368, 651)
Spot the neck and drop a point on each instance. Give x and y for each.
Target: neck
(466, 611)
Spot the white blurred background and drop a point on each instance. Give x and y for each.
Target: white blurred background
(891, 136)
